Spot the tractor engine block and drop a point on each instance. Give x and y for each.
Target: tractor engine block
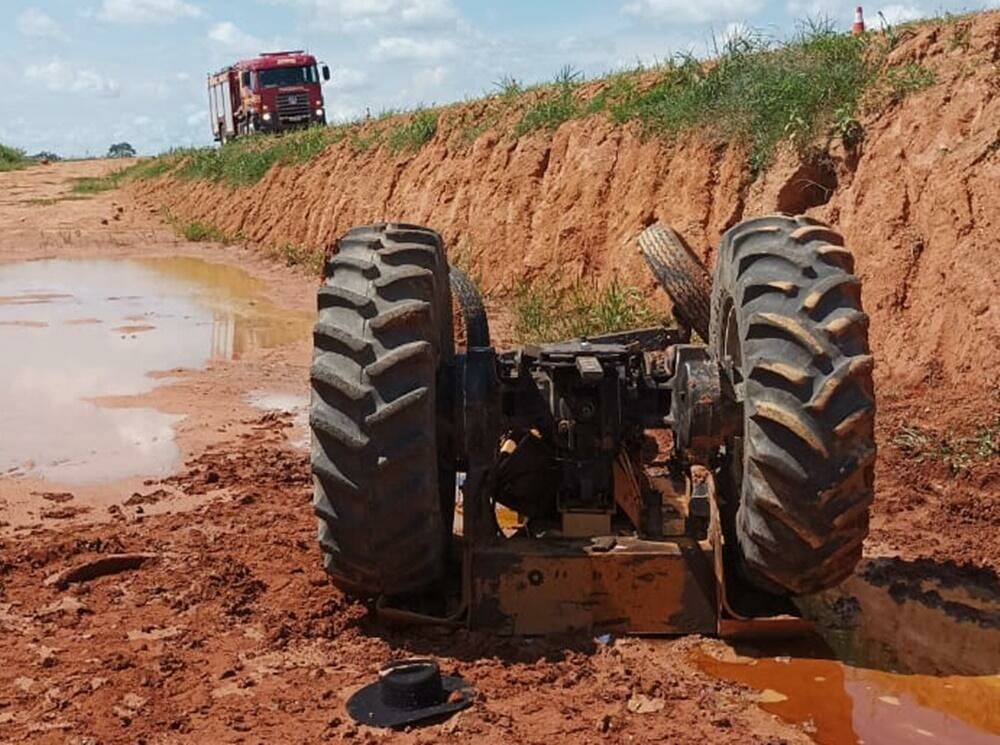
(570, 408)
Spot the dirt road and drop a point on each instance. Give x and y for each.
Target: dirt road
(152, 408)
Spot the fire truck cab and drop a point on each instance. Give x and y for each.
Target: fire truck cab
(274, 92)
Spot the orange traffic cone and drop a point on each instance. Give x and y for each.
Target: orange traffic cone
(859, 22)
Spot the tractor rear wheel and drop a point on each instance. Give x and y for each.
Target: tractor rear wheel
(383, 499)
(786, 309)
(681, 275)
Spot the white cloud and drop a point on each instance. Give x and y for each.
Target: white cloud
(33, 22)
(227, 34)
(354, 14)
(153, 89)
(568, 44)
(432, 77)
(701, 11)
(404, 48)
(337, 111)
(147, 11)
(420, 12)
(347, 79)
(60, 77)
(832, 9)
(895, 14)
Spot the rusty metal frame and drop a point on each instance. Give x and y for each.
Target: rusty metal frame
(527, 585)
(669, 586)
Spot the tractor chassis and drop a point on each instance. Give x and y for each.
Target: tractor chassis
(668, 582)
(634, 483)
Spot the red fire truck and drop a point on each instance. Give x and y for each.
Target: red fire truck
(274, 92)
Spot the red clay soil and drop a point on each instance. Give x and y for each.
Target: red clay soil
(918, 204)
(224, 628)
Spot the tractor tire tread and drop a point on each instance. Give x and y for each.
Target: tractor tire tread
(681, 275)
(380, 339)
(808, 437)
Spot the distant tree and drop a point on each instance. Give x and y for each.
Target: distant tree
(121, 150)
(45, 155)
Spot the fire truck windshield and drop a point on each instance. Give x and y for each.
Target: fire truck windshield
(282, 76)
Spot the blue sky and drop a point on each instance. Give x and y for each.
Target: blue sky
(77, 76)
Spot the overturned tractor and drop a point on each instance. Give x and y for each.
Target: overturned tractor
(659, 485)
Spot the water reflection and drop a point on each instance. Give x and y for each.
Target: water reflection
(907, 652)
(70, 332)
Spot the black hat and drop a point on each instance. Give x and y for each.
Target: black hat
(409, 691)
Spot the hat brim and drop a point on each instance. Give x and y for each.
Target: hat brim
(366, 706)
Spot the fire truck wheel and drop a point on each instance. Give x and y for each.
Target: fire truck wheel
(681, 275)
(786, 309)
(383, 500)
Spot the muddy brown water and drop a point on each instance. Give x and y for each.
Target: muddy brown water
(905, 652)
(77, 331)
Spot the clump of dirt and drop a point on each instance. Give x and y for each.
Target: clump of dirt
(63, 513)
(244, 471)
(55, 496)
(150, 498)
(233, 585)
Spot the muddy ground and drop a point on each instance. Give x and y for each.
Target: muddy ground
(221, 627)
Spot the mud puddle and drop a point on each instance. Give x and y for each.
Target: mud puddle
(74, 332)
(906, 652)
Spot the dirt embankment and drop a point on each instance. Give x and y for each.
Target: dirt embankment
(917, 202)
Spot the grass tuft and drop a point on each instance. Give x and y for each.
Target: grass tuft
(958, 452)
(906, 79)
(246, 161)
(292, 255)
(96, 184)
(556, 106)
(412, 134)
(541, 315)
(759, 92)
(198, 232)
(361, 142)
(144, 169)
(12, 159)
(509, 88)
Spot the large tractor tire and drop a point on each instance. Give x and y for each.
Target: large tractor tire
(681, 275)
(383, 494)
(786, 309)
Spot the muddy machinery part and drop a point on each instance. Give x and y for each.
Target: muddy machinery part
(618, 530)
(382, 341)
